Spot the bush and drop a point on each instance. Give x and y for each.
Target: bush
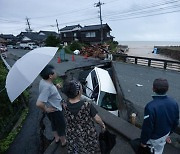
(67, 50)
(9, 111)
(75, 46)
(5, 143)
(60, 47)
(52, 41)
(112, 45)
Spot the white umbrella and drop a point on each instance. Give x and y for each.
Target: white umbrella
(26, 69)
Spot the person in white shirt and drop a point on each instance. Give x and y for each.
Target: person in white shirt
(49, 101)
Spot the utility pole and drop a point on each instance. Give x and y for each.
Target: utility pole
(29, 25)
(57, 26)
(100, 16)
(58, 29)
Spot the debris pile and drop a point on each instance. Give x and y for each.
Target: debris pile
(97, 51)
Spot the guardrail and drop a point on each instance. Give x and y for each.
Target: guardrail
(5, 63)
(151, 62)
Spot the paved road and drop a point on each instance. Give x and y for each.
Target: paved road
(27, 141)
(130, 74)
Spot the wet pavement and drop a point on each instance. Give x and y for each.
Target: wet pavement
(136, 84)
(27, 141)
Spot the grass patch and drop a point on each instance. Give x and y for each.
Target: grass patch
(26, 94)
(5, 143)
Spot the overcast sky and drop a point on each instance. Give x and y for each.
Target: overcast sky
(130, 20)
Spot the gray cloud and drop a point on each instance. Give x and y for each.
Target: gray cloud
(43, 13)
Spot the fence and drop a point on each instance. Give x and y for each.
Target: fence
(151, 62)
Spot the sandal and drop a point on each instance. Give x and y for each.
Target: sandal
(63, 145)
(56, 141)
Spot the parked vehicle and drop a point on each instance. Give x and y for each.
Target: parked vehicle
(99, 86)
(16, 47)
(3, 50)
(28, 46)
(10, 46)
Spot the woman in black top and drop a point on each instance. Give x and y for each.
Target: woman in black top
(81, 132)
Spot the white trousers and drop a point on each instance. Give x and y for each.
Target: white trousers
(158, 144)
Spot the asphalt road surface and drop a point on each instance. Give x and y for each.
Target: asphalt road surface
(28, 140)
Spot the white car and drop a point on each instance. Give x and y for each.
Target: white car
(99, 86)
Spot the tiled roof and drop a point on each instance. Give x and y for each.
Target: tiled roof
(48, 33)
(94, 27)
(32, 36)
(70, 27)
(7, 36)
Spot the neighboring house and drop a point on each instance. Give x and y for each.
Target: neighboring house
(92, 34)
(86, 34)
(48, 33)
(33, 37)
(10, 39)
(70, 33)
(2, 41)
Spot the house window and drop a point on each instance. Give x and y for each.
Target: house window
(75, 34)
(108, 34)
(90, 34)
(65, 35)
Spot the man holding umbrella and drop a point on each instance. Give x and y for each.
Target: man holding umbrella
(49, 101)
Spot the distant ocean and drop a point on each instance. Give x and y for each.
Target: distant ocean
(145, 48)
(149, 43)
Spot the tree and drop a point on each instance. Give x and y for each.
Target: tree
(75, 46)
(52, 41)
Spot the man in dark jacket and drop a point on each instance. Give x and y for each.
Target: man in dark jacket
(161, 117)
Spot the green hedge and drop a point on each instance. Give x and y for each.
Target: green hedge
(75, 46)
(112, 45)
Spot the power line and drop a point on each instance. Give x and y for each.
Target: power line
(137, 12)
(144, 12)
(10, 21)
(62, 13)
(145, 15)
(149, 6)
